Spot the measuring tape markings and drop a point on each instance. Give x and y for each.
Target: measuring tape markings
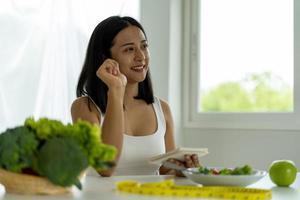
(169, 188)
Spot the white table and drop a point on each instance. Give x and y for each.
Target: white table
(103, 188)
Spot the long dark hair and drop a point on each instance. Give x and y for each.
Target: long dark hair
(97, 51)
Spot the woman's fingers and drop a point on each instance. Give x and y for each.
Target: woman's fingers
(111, 66)
(173, 171)
(108, 66)
(115, 72)
(191, 160)
(196, 160)
(177, 162)
(110, 74)
(188, 161)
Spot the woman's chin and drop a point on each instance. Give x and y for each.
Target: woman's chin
(136, 79)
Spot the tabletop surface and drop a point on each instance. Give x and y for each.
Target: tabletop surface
(96, 187)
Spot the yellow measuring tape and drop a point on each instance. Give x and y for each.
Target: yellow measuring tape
(169, 188)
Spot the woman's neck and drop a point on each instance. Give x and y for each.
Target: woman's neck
(131, 91)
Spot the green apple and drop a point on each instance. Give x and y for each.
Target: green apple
(283, 172)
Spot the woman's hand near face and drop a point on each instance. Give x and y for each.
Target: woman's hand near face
(110, 74)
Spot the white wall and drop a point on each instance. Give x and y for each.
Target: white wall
(238, 147)
(162, 21)
(163, 27)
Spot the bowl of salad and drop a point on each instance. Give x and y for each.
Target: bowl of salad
(218, 176)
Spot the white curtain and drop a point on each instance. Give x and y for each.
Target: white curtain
(43, 44)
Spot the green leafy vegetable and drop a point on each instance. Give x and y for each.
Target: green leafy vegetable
(245, 170)
(17, 149)
(45, 128)
(54, 150)
(61, 161)
(86, 134)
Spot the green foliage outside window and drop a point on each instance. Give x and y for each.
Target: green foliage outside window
(256, 93)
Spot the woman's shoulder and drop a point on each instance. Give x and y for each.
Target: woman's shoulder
(165, 106)
(83, 107)
(80, 103)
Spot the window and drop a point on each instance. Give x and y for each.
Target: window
(242, 64)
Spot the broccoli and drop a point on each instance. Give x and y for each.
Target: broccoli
(54, 150)
(17, 149)
(61, 161)
(86, 134)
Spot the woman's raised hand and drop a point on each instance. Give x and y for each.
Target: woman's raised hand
(110, 74)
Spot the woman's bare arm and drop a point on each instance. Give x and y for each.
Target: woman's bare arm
(113, 123)
(111, 133)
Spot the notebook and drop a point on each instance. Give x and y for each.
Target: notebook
(177, 153)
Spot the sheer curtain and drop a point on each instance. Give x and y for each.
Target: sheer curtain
(43, 44)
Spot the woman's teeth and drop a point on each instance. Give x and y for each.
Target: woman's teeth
(138, 68)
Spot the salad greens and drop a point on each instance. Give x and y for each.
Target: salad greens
(86, 134)
(245, 170)
(51, 149)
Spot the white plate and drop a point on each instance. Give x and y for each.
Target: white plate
(221, 180)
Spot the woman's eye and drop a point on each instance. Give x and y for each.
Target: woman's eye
(145, 46)
(129, 49)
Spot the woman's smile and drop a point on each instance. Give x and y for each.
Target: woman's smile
(138, 68)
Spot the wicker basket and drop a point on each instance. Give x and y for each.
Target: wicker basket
(29, 184)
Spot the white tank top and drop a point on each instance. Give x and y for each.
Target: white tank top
(138, 149)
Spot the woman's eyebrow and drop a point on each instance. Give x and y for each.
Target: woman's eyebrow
(131, 43)
(127, 44)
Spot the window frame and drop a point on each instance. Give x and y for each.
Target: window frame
(193, 119)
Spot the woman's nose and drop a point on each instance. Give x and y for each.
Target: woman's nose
(140, 55)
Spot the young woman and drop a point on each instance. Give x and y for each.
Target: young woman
(115, 91)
